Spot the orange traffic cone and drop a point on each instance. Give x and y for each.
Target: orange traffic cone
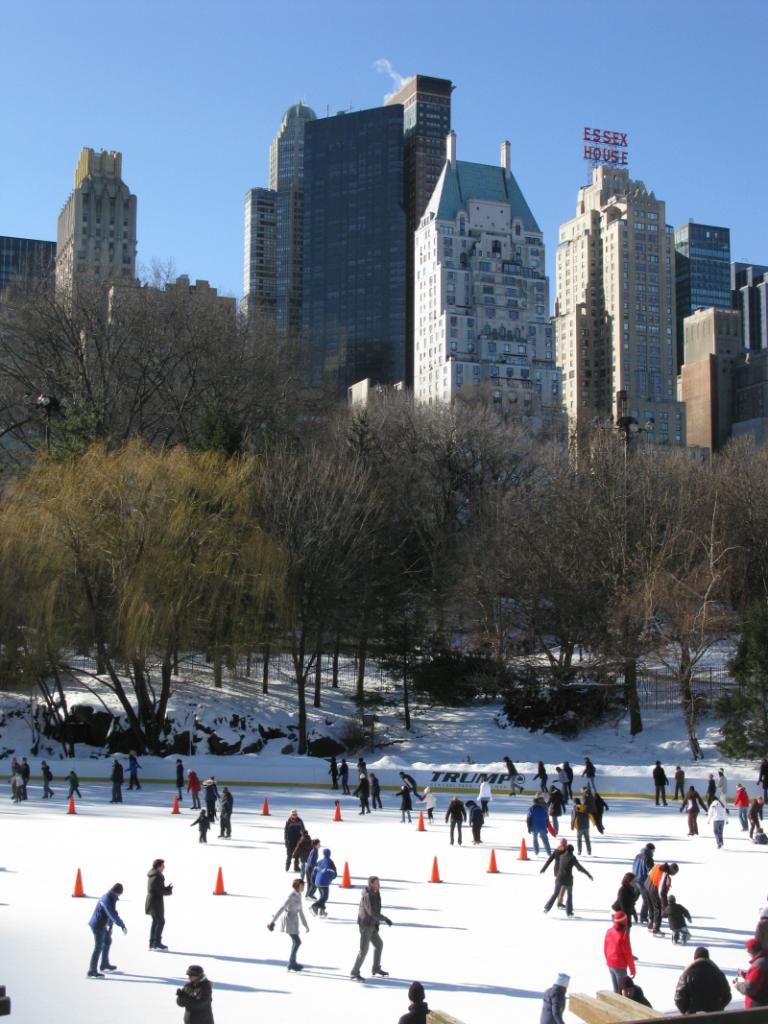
(337, 812)
(421, 827)
(435, 872)
(79, 891)
(346, 881)
(492, 869)
(220, 890)
(175, 809)
(71, 808)
(523, 855)
(265, 807)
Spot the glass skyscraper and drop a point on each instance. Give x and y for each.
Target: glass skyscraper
(354, 248)
(702, 272)
(25, 260)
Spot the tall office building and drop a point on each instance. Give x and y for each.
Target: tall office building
(702, 272)
(482, 297)
(25, 260)
(615, 308)
(354, 248)
(749, 294)
(426, 103)
(97, 226)
(259, 261)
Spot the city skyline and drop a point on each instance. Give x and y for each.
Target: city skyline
(195, 124)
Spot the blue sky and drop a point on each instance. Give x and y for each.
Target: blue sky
(192, 92)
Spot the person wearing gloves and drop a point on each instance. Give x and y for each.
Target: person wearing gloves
(154, 904)
(293, 913)
(566, 862)
(741, 800)
(618, 950)
(536, 822)
(716, 816)
(369, 917)
(196, 997)
(325, 872)
(553, 1003)
(104, 916)
(753, 983)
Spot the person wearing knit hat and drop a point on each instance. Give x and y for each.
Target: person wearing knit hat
(553, 1001)
(196, 997)
(753, 983)
(618, 950)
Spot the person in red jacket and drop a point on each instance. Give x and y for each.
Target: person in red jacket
(753, 983)
(741, 800)
(618, 950)
(194, 786)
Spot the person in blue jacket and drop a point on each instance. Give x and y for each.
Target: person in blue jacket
(133, 772)
(104, 916)
(536, 821)
(325, 872)
(554, 1001)
(309, 869)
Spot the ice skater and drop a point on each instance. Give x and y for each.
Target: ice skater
(293, 913)
(154, 905)
(406, 804)
(677, 915)
(193, 788)
(74, 784)
(457, 815)
(211, 794)
(196, 997)
(47, 780)
(369, 917)
(179, 778)
(203, 823)
(566, 862)
(133, 772)
(104, 916)
(117, 775)
(325, 872)
(226, 804)
(292, 832)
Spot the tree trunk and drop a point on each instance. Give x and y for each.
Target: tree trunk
(318, 671)
(362, 651)
(406, 701)
(687, 702)
(298, 651)
(248, 664)
(176, 661)
(217, 670)
(336, 646)
(631, 697)
(265, 670)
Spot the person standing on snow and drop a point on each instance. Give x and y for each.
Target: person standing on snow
(657, 886)
(325, 872)
(302, 850)
(292, 832)
(154, 905)
(541, 775)
(580, 823)
(456, 814)
(722, 786)
(626, 898)
(193, 787)
(104, 916)
(309, 870)
(553, 1001)
(430, 802)
(116, 778)
(369, 917)
(74, 783)
(203, 823)
(536, 823)
(660, 782)
(618, 950)
(755, 814)
(406, 804)
(333, 771)
(711, 790)
(569, 776)
(476, 821)
(196, 997)
(717, 816)
(762, 777)
(25, 771)
(677, 915)
(133, 772)
(555, 806)
(589, 773)
(641, 865)
(294, 912)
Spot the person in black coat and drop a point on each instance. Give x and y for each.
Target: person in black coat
(375, 791)
(344, 776)
(179, 778)
(292, 833)
(117, 777)
(196, 997)
(211, 793)
(627, 897)
(406, 804)
(418, 1009)
(154, 904)
(456, 814)
(566, 862)
(362, 792)
(702, 987)
(569, 775)
(227, 803)
(711, 791)
(553, 1002)
(541, 775)
(333, 771)
(660, 782)
(408, 780)
(630, 990)
(203, 823)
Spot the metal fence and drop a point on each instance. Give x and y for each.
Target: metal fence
(660, 689)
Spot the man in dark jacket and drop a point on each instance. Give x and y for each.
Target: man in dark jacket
(104, 916)
(569, 776)
(154, 905)
(418, 1009)
(566, 862)
(25, 771)
(211, 794)
(553, 1003)
(762, 778)
(344, 776)
(660, 782)
(117, 777)
(180, 777)
(679, 783)
(408, 780)
(369, 917)
(702, 987)
(456, 814)
(333, 771)
(294, 827)
(196, 997)
(362, 792)
(225, 822)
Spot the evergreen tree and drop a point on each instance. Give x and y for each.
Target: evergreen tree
(745, 711)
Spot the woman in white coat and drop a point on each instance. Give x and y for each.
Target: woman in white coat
(716, 816)
(293, 913)
(484, 795)
(430, 802)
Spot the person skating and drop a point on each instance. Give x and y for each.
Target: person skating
(408, 780)
(456, 815)
(618, 950)
(514, 785)
(375, 791)
(102, 919)
(309, 870)
(325, 872)
(541, 775)
(589, 773)
(569, 776)
(194, 785)
(641, 865)
(702, 987)
(47, 780)
(555, 807)
(133, 771)
(762, 777)
(196, 997)
(595, 806)
(484, 794)
(179, 778)
(554, 858)
(580, 823)
(117, 775)
(418, 1009)
(566, 862)
(722, 786)
(553, 1001)
(476, 821)
(657, 886)
(211, 795)
(753, 983)
(203, 823)
(741, 801)
(536, 822)
(677, 915)
(73, 783)
(631, 990)
(25, 771)
(755, 814)
(561, 784)
(369, 917)
(406, 804)
(154, 905)
(344, 776)
(361, 766)
(717, 816)
(226, 805)
(692, 804)
(292, 832)
(333, 771)
(711, 791)
(362, 792)
(626, 898)
(660, 782)
(301, 851)
(679, 784)
(293, 912)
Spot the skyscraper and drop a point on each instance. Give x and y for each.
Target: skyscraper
(426, 103)
(615, 308)
(482, 296)
(702, 272)
(354, 247)
(749, 292)
(260, 247)
(97, 226)
(25, 260)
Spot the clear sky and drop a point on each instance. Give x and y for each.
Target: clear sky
(191, 92)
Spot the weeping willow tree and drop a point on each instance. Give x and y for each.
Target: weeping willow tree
(134, 554)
